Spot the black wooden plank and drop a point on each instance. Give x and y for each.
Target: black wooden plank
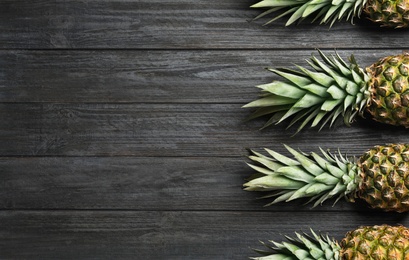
(136, 183)
(171, 24)
(162, 235)
(164, 130)
(148, 76)
(122, 136)
(130, 76)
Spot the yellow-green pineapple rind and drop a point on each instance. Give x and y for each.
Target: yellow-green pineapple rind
(388, 13)
(376, 242)
(389, 90)
(384, 177)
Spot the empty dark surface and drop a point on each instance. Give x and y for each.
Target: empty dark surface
(122, 134)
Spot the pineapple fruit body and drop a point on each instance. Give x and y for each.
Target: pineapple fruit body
(389, 91)
(380, 177)
(376, 242)
(388, 13)
(382, 242)
(337, 90)
(384, 177)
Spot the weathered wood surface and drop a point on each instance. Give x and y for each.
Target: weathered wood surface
(166, 130)
(151, 183)
(122, 134)
(160, 76)
(171, 24)
(161, 234)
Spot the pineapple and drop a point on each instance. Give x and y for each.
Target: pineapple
(337, 90)
(380, 177)
(366, 242)
(386, 13)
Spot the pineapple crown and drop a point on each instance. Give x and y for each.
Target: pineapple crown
(308, 176)
(329, 11)
(332, 91)
(304, 246)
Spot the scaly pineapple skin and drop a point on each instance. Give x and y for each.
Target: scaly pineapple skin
(389, 92)
(376, 242)
(384, 177)
(388, 13)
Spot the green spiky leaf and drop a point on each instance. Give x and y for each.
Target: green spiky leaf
(318, 177)
(298, 10)
(332, 90)
(303, 246)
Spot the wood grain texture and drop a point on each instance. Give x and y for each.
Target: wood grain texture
(162, 184)
(161, 235)
(196, 76)
(122, 134)
(165, 130)
(185, 24)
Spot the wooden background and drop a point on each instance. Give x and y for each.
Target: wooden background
(122, 133)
